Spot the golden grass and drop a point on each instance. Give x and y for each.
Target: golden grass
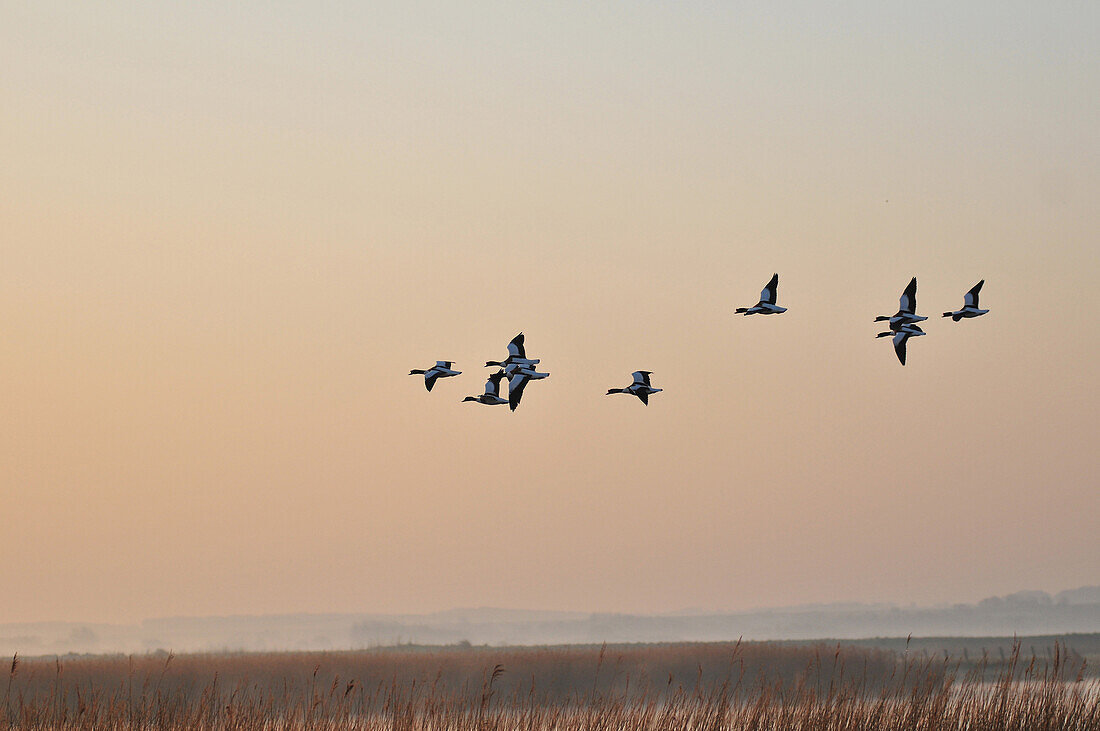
(660, 688)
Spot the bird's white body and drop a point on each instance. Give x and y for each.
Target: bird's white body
(967, 313)
(524, 370)
(765, 309)
(902, 318)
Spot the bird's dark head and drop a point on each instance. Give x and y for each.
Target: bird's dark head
(881, 318)
(489, 363)
(469, 398)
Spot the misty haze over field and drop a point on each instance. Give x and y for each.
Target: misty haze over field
(1022, 613)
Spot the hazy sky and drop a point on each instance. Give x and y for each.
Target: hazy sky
(227, 232)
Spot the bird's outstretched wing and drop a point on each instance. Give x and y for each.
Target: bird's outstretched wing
(908, 301)
(642, 377)
(768, 293)
(515, 348)
(515, 390)
(971, 298)
(643, 396)
(430, 378)
(492, 386)
(899, 345)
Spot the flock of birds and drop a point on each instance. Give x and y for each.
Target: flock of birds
(903, 325)
(519, 370)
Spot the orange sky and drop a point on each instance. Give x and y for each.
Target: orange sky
(226, 235)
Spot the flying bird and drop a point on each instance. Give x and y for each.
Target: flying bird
(766, 305)
(640, 388)
(441, 369)
(491, 397)
(970, 305)
(518, 378)
(516, 355)
(901, 332)
(907, 307)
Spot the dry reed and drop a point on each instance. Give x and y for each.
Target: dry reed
(659, 688)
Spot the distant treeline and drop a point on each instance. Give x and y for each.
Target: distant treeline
(1024, 613)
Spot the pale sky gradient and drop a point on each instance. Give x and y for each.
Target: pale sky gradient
(227, 233)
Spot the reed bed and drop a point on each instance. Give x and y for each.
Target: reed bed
(653, 688)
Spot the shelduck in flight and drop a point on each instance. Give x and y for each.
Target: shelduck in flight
(766, 305)
(518, 378)
(491, 397)
(441, 369)
(907, 308)
(970, 305)
(516, 355)
(901, 332)
(640, 388)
